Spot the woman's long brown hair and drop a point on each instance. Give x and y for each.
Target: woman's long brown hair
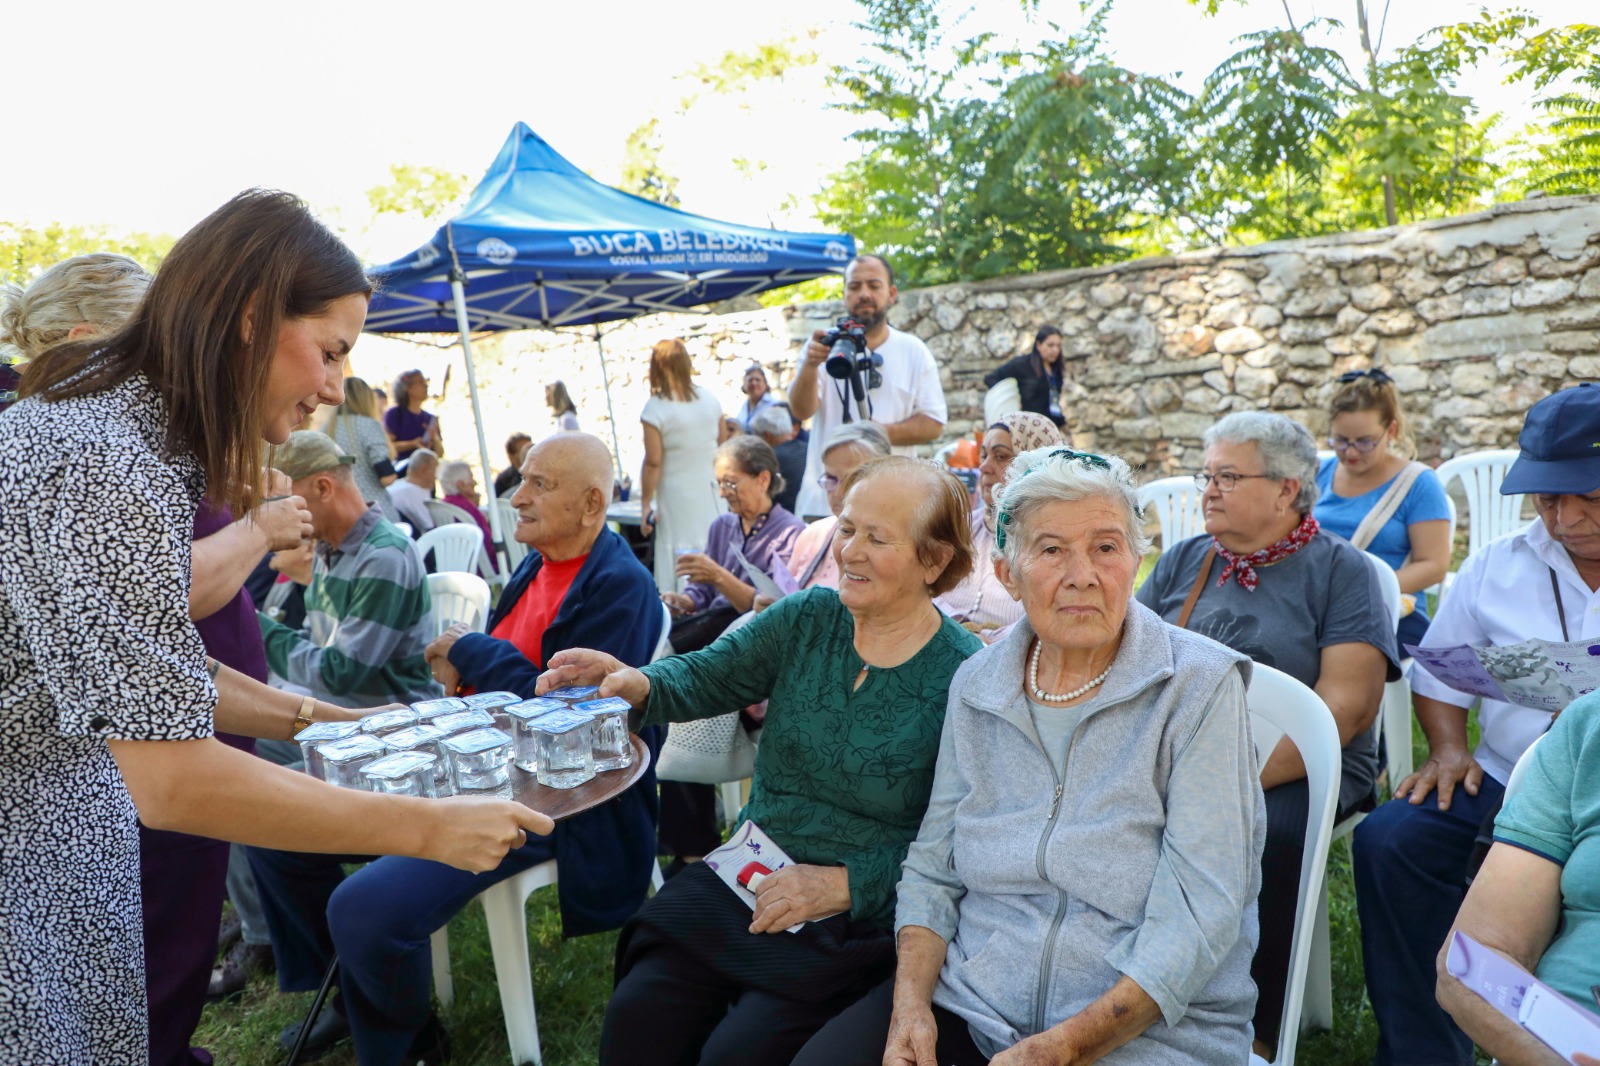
(670, 371)
(206, 332)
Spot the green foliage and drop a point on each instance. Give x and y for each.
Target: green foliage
(25, 250)
(828, 287)
(737, 71)
(642, 173)
(420, 191)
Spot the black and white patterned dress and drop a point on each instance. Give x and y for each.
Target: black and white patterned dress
(95, 645)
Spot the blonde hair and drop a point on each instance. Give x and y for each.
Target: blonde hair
(101, 290)
(670, 371)
(359, 399)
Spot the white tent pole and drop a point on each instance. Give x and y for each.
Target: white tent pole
(459, 292)
(605, 378)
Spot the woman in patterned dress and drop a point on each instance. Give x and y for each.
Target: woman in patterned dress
(856, 682)
(108, 703)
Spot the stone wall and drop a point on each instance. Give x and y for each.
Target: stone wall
(1476, 317)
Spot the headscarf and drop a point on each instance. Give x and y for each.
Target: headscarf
(1028, 431)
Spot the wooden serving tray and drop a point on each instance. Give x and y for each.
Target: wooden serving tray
(561, 803)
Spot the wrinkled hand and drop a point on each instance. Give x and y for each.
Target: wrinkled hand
(474, 833)
(275, 482)
(285, 523)
(699, 568)
(1444, 770)
(761, 603)
(677, 602)
(296, 563)
(816, 349)
(913, 1036)
(647, 520)
(581, 666)
(1038, 1050)
(800, 893)
(438, 656)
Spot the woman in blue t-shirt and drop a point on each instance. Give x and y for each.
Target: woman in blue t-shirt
(1373, 496)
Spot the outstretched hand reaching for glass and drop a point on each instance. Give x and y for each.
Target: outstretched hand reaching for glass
(581, 666)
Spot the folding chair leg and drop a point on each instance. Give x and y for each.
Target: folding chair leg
(443, 985)
(505, 908)
(1316, 1012)
(731, 803)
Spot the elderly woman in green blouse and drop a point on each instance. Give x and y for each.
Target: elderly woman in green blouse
(856, 683)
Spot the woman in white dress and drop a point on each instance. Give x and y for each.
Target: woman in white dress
(682, 428)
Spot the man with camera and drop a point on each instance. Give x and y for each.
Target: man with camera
(871, 371)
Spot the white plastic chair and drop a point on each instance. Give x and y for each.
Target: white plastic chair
(1519, 772)
(1281, 706)
(1394, 722)
(454, 547)
(458, 597)
(1489, 514)
(516, 551)
(444, 514)
(1178, 511)
(505, 906)
(1002, 399)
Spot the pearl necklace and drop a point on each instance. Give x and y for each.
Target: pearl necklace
(1043, 696)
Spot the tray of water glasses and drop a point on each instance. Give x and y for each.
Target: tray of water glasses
(561, 803)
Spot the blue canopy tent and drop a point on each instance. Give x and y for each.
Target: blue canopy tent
(541, 245)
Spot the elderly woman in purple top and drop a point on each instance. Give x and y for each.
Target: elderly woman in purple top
(719, 588)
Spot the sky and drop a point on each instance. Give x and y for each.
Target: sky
(147, 116)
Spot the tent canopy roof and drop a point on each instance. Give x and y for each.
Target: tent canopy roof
(541, 244)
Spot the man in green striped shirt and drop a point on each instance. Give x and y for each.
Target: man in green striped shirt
(367, 608)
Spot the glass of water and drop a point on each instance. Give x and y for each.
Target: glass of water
(424, 739)
(322, 733)
(428, 710)
(495, 703)
(566, 749)
(523, 715)
(382, 722)
(402, 773)
(480, 762)
(343, 760)
(573, 693)
(613, 750)
(462, 721)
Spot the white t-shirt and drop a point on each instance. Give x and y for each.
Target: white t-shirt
(910, 387)
(1502, 595)
(409, 499)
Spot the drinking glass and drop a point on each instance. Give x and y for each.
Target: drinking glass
(613, 750)
(566, 749)
(343, 760)
(402, 773)
(322, 733)
(522, 716)
(462, 721)
(480, 762)
(424, 739)
(495, 703)
(381, 722)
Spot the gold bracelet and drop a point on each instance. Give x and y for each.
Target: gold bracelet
(303, 719)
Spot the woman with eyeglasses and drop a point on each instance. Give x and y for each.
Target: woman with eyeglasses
(1374, 496)
(1267, 581)
(408, 425)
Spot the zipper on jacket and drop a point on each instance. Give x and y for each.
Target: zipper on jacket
(1061, 900)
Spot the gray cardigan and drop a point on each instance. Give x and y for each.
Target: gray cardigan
(1142, 856)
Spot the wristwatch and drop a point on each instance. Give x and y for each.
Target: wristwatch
(303, 719)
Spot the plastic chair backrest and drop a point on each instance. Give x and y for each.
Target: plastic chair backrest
(454, 547)
(1519, 772)
(1437, 591)
(1389, 581)
(444, 514)
(1281, 706)
(1394, 711)
(516, 551)
(1002, 399)
(664, 645)
(458, 597)
(1178, 511)
(1489, 514)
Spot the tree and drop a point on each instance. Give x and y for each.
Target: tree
(26, 250)
(421, 191)
(642, 173)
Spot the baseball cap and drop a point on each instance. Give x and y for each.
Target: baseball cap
(308, 452)
(1560, 444)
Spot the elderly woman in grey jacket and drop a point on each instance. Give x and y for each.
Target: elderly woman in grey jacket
(1084, 884)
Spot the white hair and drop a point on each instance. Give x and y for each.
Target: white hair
(772, 421)
(101, 290)
(868, 436)
(452, 476)
(1286, 447)
(1054, 474)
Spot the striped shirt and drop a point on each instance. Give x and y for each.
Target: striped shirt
(368, 619)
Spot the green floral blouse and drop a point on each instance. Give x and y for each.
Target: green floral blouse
(842, 777)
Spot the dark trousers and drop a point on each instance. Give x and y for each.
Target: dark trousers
(1410, 872)
(180, 888)
(672, 1010)
(858, 1035)
(378, 920)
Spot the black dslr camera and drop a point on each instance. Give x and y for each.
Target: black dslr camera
(849, 360)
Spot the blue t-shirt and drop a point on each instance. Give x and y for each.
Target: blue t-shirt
(1425, 502)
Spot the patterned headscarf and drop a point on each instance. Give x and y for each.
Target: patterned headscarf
(1028, 431)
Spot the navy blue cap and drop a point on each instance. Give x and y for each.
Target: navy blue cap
(1560, 443)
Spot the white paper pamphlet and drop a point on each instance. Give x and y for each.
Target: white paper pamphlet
(747, 845)
(1562, 1025)
(765, 586)
(1542, 674)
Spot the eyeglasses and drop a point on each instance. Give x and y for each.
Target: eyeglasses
(1360, 444)
(1226, 481)
(828, 482)
(729, 486)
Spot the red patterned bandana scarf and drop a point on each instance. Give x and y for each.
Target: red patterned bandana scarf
(1245, 565)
